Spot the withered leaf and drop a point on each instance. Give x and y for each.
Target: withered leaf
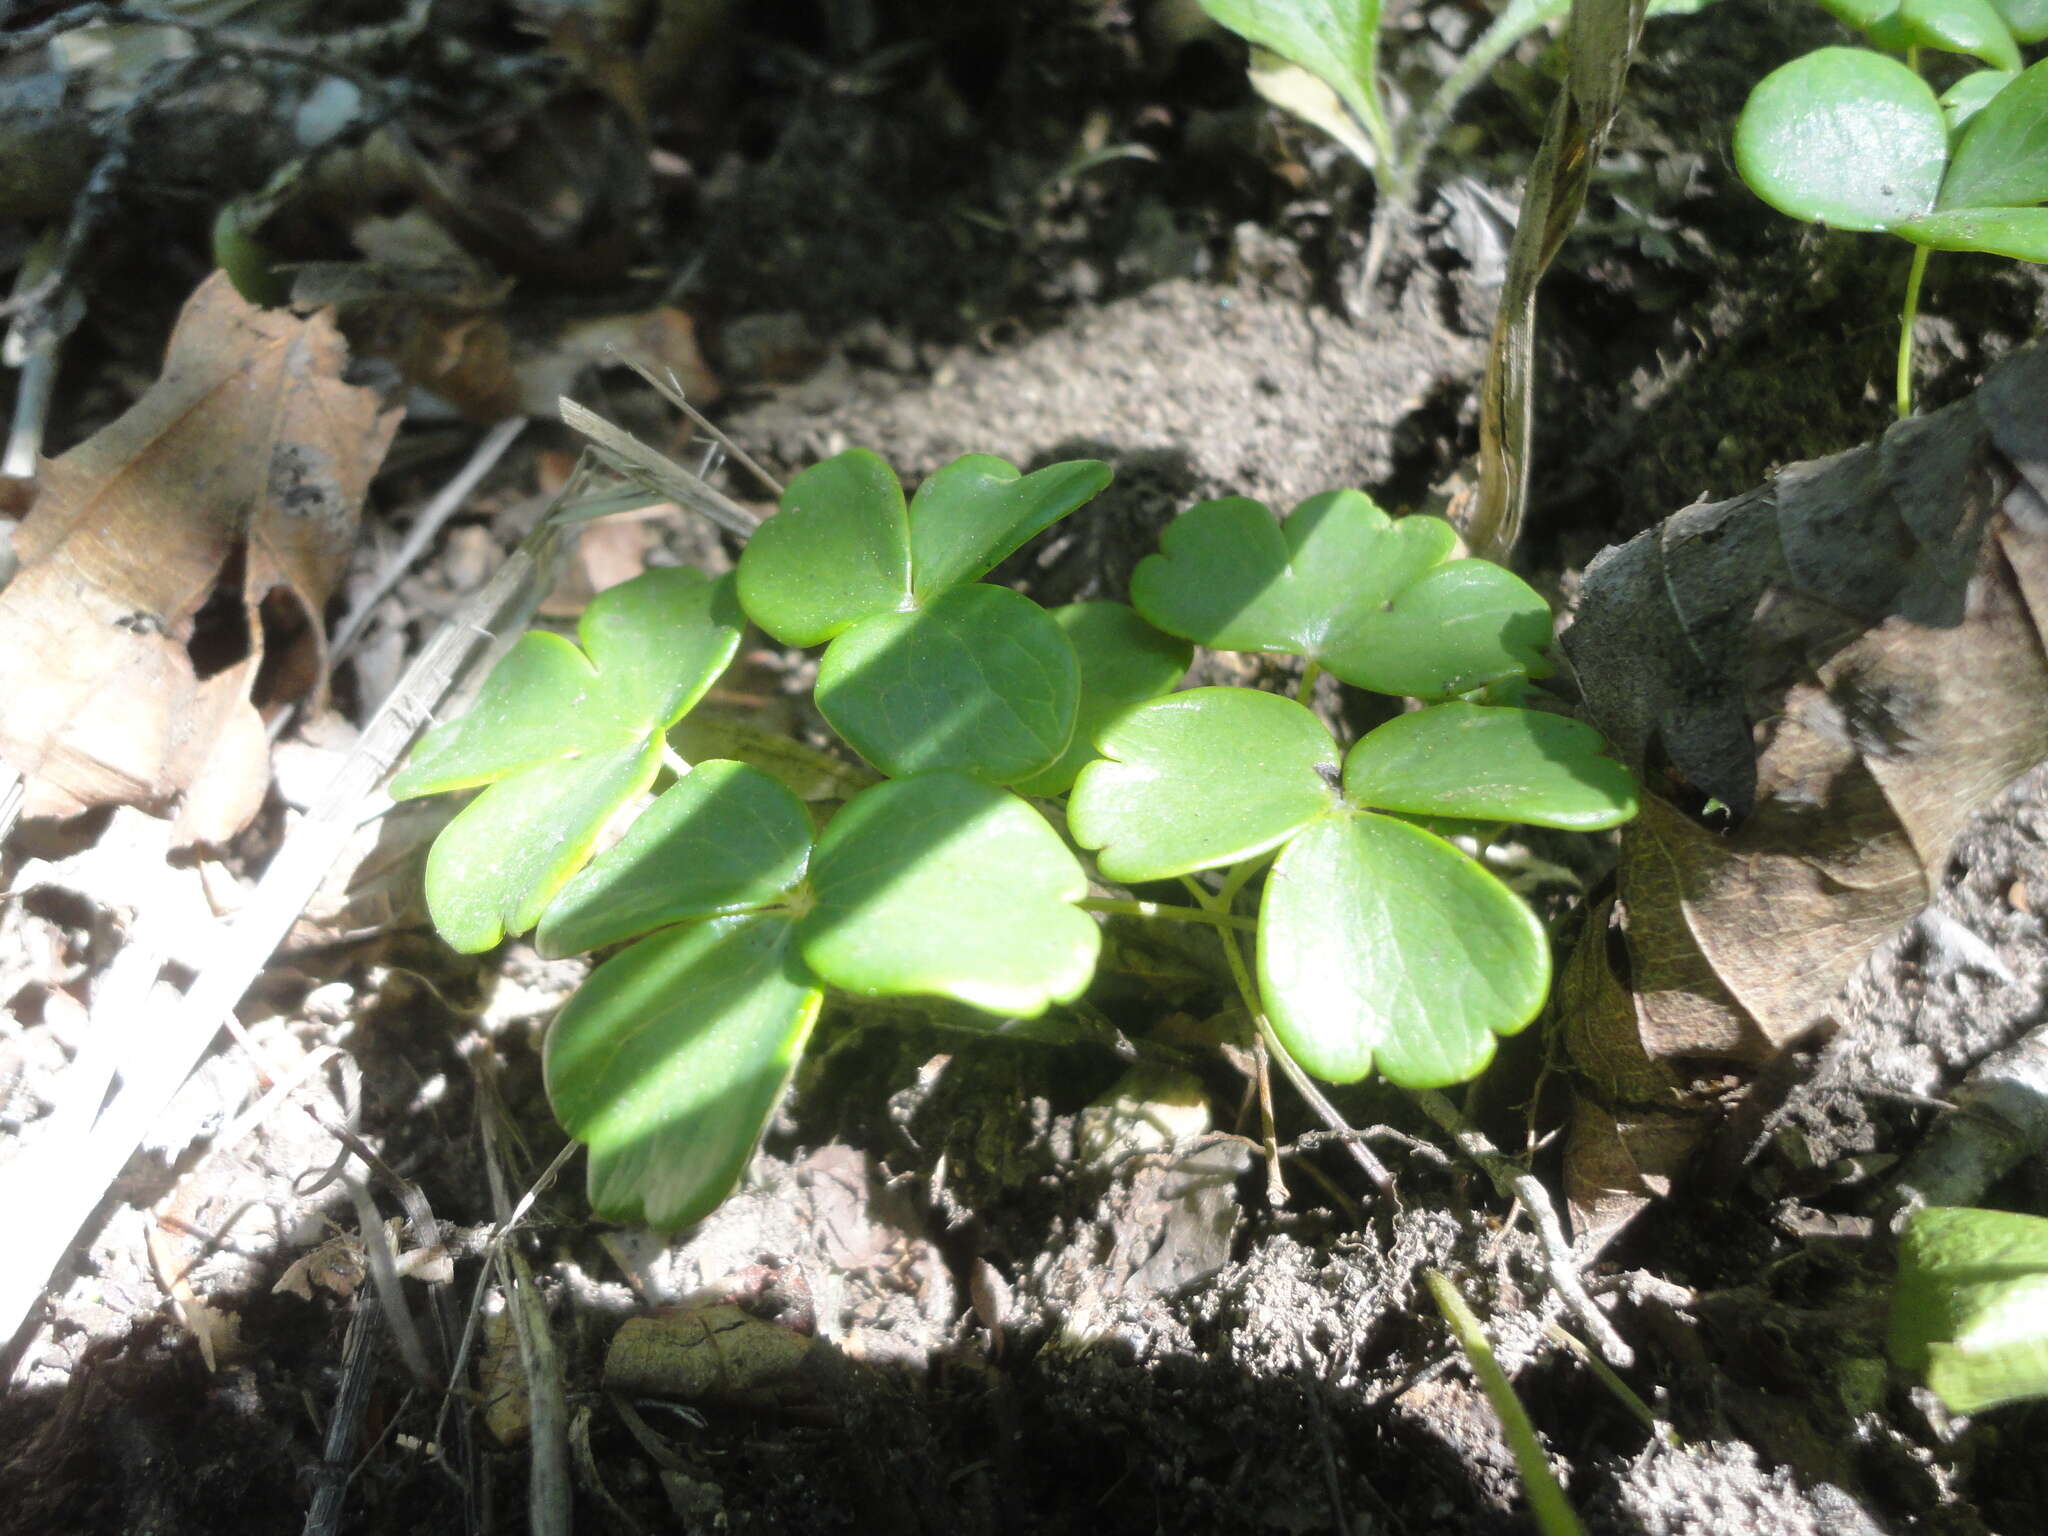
(230, 489)
(1854, 660)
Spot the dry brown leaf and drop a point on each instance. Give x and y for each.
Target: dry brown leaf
(234, 481)
(1853, 660)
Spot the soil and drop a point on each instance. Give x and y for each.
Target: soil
(996, 1295)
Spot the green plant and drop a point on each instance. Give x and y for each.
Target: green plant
(1970, 1310)
(1857, 140)
(1336, 42)
(1379, 944)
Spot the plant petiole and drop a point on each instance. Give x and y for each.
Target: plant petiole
(1305, 690)
(1907, 314)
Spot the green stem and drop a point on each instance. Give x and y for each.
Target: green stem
(1907, 315)
(1150, 909)
(1508, 29)
(1547, 1503)
(1306, 688)
(1248, 990)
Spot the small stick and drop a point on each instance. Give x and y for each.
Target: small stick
(421, 534)
(549, 1497)
(345, 1425)
(1512, 1181)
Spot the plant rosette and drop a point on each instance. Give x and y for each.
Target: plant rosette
(1380, 945)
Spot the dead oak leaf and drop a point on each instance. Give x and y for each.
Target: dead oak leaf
(174, 569)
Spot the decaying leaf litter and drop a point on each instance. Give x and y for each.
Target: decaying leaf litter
(1041, 1281)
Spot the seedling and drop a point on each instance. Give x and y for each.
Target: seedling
(1335, 43)
(1379, 944)
(1856, 140)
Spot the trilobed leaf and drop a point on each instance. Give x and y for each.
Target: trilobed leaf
(564, 738)
(1375, 600)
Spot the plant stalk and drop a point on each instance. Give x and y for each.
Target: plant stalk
(1908, 313)
(1547, 1504)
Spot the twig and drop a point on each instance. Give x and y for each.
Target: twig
(345, 1426)
(2000, 1120)
(549, 1493)
(1513, 1182)
(424, 527)
(12, 793)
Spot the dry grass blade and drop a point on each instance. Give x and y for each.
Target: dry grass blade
(656, 472)
(1602, 39)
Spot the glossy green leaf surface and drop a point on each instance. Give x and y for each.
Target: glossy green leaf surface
(1202, 779)
(2021, 233)
(1463, 625)
(526, 713)
(1969, 95)
(651, 646)
(1971, 27)
(836, 552)
(1124, 662)
(1878, 20)
(2028, 19)
(1336, 40)
(1843, 137)
(943, 885)
(1479, 763)
(980, 679)
(1375, 600)
(722, 839)
(979, 510)
(2001, 160)
(497, 865)
(1970, 1309)
(565, 738)
(671, 1058)
(1383, 947)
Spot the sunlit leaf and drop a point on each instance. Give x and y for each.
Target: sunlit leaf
(1845, 137)
(1970, 1310)
(1375, 600)
(1479, 763)
(565, 738)
(1960, 26)
(724, 838)
(2021, 233)
(978, 510)
(979, 679)
(1383, 947)
(1336, 40)
(1969, 95)
(837, 552)
(1124, 662)
(497, 865)
(947, 886)
(670, 1059)
(1201, 779)
(2001, 160)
